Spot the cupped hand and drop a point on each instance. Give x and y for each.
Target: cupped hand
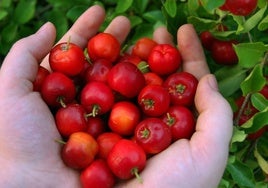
(200, 161)
(29, 153)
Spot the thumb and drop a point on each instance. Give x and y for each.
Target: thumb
(20, 66)
(215, 122)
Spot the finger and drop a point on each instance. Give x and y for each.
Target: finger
(86, 26)
(214, 125)
(119, 28)
(19, 69)
(162, 36)
(193, 57)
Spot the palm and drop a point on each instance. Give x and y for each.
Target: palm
(28, 131)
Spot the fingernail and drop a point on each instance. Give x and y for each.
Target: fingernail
(212, 82)
(42, 28)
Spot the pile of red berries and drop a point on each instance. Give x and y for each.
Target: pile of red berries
(115, 109)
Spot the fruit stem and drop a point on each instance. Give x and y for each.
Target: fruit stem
(241, 110)
(60, 141)
(60, 99)
(135, 171)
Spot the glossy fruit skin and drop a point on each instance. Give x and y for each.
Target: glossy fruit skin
(143, 47)
(126, 157)
(153, 135)
(71, 119)
(164, 59)
(106, 142)
(124, 117)
(241, 7)
(154, 100)
(223, 52)
(207, 39)
(181, 122)
(126, 79)
(98, 71)
(103, 46)
(97, 175)
(56, 87)
(95, 126)
(153, 79)
(181, 87)
(79, 151)
(42, 73)
(67, 58)
(97, 98)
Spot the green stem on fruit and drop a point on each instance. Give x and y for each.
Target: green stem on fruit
(60, 99)
(145, 133)
(87, 56)
(135, 171)
(95, 111)
(60, 141)
(170, 120)
(143, 66)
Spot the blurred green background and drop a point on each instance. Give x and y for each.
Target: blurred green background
(20, 18)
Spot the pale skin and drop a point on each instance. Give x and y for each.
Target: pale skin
(29, 155)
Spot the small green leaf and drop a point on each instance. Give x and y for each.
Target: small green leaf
(238, 135)
(240, 173)
(259, 101)
(256, 122)
(135, 20)
(9, 32)
(154, 16)
(171, 7)
(123, 5)
(210, 5)
(254, 81)
(249, 54)
(263, 25)
(261, 161)
(3, 14)
(202, 24)
(75, 12)
(24, 11)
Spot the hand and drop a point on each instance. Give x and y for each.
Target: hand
(30, 156)
(200, 161)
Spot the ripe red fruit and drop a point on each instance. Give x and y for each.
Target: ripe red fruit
(207, 39)
(97, 98)
(106, 142)
(58, 89)
(71, 119)
(153, 79)
(154, 100)
(97, 175)
(79, 151)
(143, 47)
(124, 117)
(42, 73)
(126, 159)
(241, 7)
(223, 52)
(126, 79)
(181, 87)
(181, 122)
(95, 126)
(98, 71)
(164, 59)
(153, 135)
(67, 58)
(103, 46)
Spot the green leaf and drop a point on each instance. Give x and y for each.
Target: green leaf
(261, 161)
(210, 5)
(229, 79)
(253, 20)
(10, 32)
(123, 5)
(259, 101)
(256, 122)
(238, 135)
(3, 14)
(254, 82)
(263, 25)
(135, 20)
(202, 24)
(154, 16)
(24, 11)
(249, 54)
(5, 3)
(75, 12)
(171, 7)
(140, 5)
(240, 173)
